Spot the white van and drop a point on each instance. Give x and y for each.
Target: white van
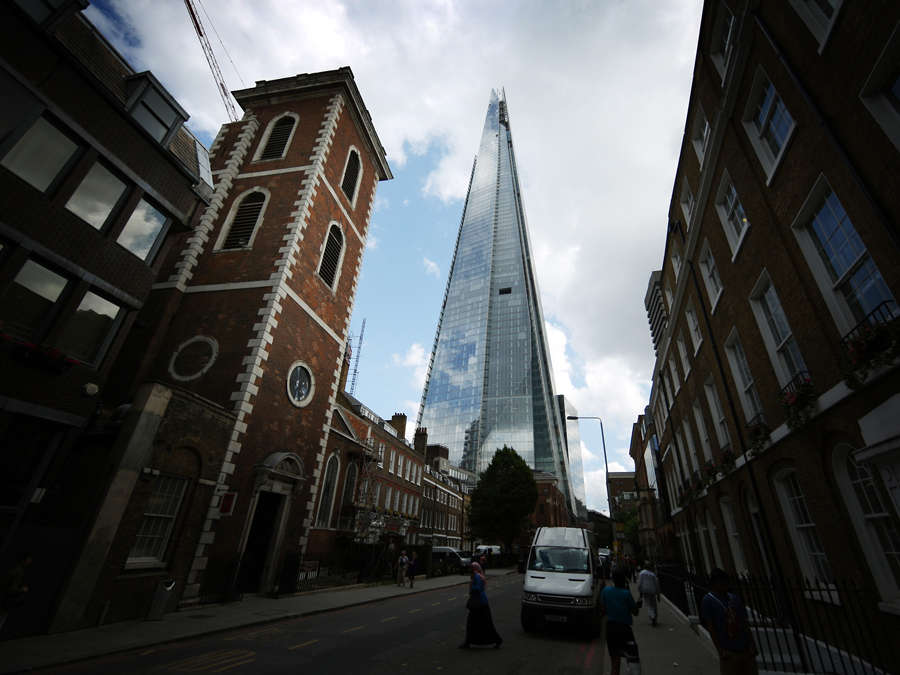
(562, 580)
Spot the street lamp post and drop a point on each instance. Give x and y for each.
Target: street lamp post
(605, 463)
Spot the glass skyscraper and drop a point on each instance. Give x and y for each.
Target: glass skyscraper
(489, 382)
(573, 465)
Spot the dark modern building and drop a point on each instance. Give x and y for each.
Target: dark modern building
(100, 183)
(489, 381)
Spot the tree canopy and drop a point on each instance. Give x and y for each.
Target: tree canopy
(505, 496)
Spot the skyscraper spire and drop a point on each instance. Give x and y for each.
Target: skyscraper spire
(489, 382)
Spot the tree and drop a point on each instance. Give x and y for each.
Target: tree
(505, 496)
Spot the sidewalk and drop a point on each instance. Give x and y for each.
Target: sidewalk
(672, 646)
(42, 651)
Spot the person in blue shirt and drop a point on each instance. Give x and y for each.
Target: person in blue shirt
(479, 624)
(725, 617)
(617, 603)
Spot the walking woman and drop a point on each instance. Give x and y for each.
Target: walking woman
(479, 624)
(619, 606)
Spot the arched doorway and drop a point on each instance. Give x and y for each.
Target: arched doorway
(278, 478)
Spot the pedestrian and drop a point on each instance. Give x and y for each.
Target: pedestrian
(402, 562)
(648, 587)
(725, 617)
(479, 624)
(617, 603)
(411, 568)
(14, 590)
(483, 561)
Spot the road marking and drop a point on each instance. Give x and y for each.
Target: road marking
(451, 599)
(413, 611)
(390, 618)
(435, 604)
(303, 644)
(250, 636)
(215, 662)
(234, 665)
(350, 630)
(147, 651)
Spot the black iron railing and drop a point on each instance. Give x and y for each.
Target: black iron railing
(802, 627)
(882, 315)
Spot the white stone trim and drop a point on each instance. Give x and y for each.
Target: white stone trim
(359, 176)
(213, 345)
(225, 229)
(340, 205)
(273, 172)
(190, 256)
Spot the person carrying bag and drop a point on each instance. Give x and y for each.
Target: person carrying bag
(619, 606)
(479, 623)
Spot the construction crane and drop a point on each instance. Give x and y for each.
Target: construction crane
(362, 331)
(211, 60)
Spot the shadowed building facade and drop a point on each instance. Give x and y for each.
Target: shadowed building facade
(489, 380)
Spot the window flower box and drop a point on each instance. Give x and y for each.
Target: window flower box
(711, 471)
(757, 435)
(798, 399)
(873, 343)
(728, 460)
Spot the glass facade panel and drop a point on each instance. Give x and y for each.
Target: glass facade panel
(29, 299)
(87, 330)
(96, 196)
(39, 156)
(142, 230)
(489, 381)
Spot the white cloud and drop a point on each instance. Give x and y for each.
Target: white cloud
(371, 242)
(431, 268)
(615, 466)
(416, 359)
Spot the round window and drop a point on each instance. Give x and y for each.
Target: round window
(300, 384)
(193, 358)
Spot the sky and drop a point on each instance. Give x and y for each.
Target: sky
(597, 95)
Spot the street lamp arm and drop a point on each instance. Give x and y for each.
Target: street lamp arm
(605, 462)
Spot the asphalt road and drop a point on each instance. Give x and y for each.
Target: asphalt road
(414, 634)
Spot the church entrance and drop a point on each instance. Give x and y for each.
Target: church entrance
(260, 541)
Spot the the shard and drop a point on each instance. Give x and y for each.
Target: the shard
(489, 381)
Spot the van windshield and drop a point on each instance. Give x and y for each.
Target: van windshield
(559, 559)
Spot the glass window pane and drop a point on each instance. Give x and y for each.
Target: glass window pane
(88, 328)
(149, 121)
(29, 299)
(142, 229)
(96, 196)
(39, 156)
(156, 103)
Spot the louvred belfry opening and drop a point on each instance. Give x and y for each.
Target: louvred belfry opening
(351, 173)
(332, 255)
(244, 221)
(278, 139)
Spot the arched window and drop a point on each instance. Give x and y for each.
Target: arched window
(327, 498)
(349, 485)
(874, 519)
(278, 138)
(331, 256)
(240, 232)
(810, 553)
(351, 175)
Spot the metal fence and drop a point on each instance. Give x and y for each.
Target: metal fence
(802, 627)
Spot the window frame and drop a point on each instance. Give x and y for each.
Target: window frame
(688, 202)
(872, 549)
(835, 299)
(225, 230)
(734, 351)
(701, 135)
(776, 358)
(144, 562)
(880, 80)
(819, 24)
(43, 328)
(160, 237)
(683, 355)
(725, 212)
(262, 146)
(805, 532)
(767, 159)
(138, 85)
(735, 545)
(717, 413)
(709, 271)
(694, 330)
(721, 59)
(340, 259)
(111, 334)
(359, 176)
(318, 522)
(22, 130)
(116, 209)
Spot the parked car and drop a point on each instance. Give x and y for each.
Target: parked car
(447, 560)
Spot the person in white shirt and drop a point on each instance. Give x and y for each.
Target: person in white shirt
(648, 587)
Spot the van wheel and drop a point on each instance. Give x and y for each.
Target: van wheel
(529, 622)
